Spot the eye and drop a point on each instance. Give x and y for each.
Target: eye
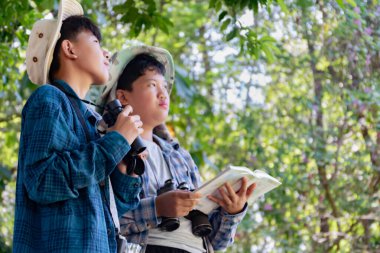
(152, 84)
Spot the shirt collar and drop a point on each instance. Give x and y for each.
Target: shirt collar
(166, 147)
(66, 87)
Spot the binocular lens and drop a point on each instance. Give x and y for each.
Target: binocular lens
(200, 225)
(169, 224)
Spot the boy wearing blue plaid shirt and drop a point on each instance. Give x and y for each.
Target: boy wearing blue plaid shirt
(65, 168)
(142, 77)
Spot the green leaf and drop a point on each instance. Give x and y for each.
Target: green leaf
(254, 5)
(268, 39)
(222, 15)
(283, 6)
(232, 34)
(212, 4)
(340, 3)
(163, 24)
(218, 6)
(244, 4)
(151, 6)
(351, 2)
(225, 24)
(268, 53)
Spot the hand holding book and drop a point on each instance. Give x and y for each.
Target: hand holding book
(233, 201)
(233, 174)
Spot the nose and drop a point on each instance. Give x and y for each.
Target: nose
(163, 93)
(106, 54)
(162, 96)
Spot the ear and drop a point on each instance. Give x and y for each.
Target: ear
(67, 48)
(122, 96)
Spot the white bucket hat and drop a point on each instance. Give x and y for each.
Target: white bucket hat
(42, 41)
(123, 57)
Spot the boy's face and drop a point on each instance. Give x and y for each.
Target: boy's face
(149, 98)
(91, 58)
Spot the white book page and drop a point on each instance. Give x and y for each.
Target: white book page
(233, 174)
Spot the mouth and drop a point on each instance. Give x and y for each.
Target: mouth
(164, 105)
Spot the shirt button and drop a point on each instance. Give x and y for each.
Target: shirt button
(108, 231)
(136, 185)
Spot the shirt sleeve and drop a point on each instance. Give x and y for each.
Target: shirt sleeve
(224, 227)
(126, 191)
(140, 219)
(223, 224)
(56, 161)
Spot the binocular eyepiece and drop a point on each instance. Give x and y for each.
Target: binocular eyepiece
(134, 163)
(200, 225)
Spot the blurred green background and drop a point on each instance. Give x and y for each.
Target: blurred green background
(288, 86)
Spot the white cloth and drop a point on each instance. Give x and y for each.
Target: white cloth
(156, 167)
(181, 238)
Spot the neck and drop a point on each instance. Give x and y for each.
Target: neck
(77, 81)
(148, 133)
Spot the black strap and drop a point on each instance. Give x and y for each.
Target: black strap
(77, 110)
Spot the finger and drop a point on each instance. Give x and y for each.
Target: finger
(250, 190)
(139, 123)
(187, 195)
(189, 204)
(127, 110)
(216, 200)
(140, 130)
(243, 188)
(225, 198)
(231, 192)
(184, 212)
(135, 118)
(196, 195)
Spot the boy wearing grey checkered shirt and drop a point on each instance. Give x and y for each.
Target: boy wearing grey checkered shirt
(142, 77)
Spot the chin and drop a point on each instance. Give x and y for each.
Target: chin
(161, 120)
(101, 80)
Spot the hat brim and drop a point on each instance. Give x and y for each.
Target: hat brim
(67, 8)
(123, 57)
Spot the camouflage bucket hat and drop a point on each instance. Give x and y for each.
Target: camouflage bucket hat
(120, 60)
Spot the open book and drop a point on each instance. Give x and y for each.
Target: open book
(232, 175)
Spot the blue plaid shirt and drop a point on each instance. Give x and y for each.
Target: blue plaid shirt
(136, 223)
(62, 192)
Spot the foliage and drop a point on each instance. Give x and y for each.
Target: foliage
(294, 92)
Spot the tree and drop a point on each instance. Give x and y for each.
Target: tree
(303, 106)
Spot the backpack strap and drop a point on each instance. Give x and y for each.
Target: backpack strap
(77, 110)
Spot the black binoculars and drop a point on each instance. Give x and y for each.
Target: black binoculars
(200, 225)
(134, 163)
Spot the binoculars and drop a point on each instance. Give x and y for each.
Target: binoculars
(200, 225)
(134, 163)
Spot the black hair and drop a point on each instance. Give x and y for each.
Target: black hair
(70, 29)
(136, 68)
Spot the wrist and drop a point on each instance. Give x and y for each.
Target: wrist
(237, 211)
(158, 211)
